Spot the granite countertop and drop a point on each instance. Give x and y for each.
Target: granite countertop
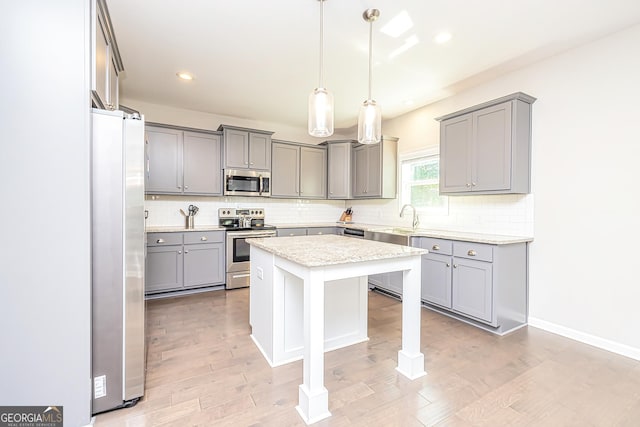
(177, 228)
(330, 249)
(493, 239)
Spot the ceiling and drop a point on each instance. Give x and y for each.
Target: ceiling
(259, 60)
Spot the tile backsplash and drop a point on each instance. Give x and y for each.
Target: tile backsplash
(496, 214)
(165, 210)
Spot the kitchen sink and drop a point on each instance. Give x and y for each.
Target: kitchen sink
(399, 236)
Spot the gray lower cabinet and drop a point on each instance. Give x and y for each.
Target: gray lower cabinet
(388, 282)
(280, 232)
(184, 260)
(246, 148)
(375, 169)
(309, 231)
(182, 162)
(298, 171)
(481, 283)
(486, 149)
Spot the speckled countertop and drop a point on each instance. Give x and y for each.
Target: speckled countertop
(176, 228)
(493, 239)
(331, 249)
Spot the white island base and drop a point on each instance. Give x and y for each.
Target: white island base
(309, 294)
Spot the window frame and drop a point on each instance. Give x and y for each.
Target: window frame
(411, 156)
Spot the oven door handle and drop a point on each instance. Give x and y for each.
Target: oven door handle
(249, 234)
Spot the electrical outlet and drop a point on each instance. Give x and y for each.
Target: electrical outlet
(100, 386)
(260, 272)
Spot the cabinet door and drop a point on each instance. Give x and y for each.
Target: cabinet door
(259, 151)
(163, 268)
(203, 265)
(455, 154)
(313, 172)
(201, 164)
(360, 166)
(491, 169)
(472, 288)
(436, 279)
(285, 171)
(339, 170)
(164, 160)
(236, 149)
(374, 170)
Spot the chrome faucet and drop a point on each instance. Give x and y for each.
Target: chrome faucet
(415, 221)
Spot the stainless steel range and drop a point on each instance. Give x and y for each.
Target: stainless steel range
(241, 224)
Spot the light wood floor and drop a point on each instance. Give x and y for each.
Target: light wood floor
(204, 370)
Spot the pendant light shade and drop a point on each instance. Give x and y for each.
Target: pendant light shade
(370, 117)
(321, 100)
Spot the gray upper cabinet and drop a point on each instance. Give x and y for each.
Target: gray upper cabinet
(298, 171)
(486, 149)
(164, 160)
(182, 162)
(246, 148)
(202, 171)
(375, 169)
(106, 64)
(285, 170)
(339, 162)
(313, 172)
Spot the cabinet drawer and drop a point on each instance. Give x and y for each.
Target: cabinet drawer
(436, 246)
(164, 239)
(192, 237)
(291, 232)
(321, 230)
(476, 251)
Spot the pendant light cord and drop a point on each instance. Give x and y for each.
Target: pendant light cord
(370, 56)
(321, 83)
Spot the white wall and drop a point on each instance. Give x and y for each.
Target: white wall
(199, 120)
(585, 157)
(45, 278)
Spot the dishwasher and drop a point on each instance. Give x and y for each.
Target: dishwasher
(389, 284)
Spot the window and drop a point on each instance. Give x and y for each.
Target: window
(419, 177)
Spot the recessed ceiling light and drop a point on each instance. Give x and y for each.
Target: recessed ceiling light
(185, 75)
(398, 25)
(442, 37)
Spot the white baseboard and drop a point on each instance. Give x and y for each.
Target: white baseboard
(593, 340)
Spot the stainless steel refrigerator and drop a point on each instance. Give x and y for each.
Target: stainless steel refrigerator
(118, 250)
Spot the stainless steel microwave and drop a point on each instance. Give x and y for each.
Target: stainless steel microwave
(239, 182)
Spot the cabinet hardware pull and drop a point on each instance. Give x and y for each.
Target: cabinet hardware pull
(186, 251)
(160, 241)
(448, 265)
(179, 187)
(455, 265)
(204, 238)
(179, 252)
(186, 187)
(468, 185)
(436, 248)
(471, 252)
(473, 184)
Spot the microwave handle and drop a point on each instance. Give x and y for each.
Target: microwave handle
(261, 185)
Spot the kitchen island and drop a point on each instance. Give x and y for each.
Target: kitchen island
(314, 267)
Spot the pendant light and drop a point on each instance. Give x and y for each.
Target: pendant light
(321, 100)
(370, 117)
